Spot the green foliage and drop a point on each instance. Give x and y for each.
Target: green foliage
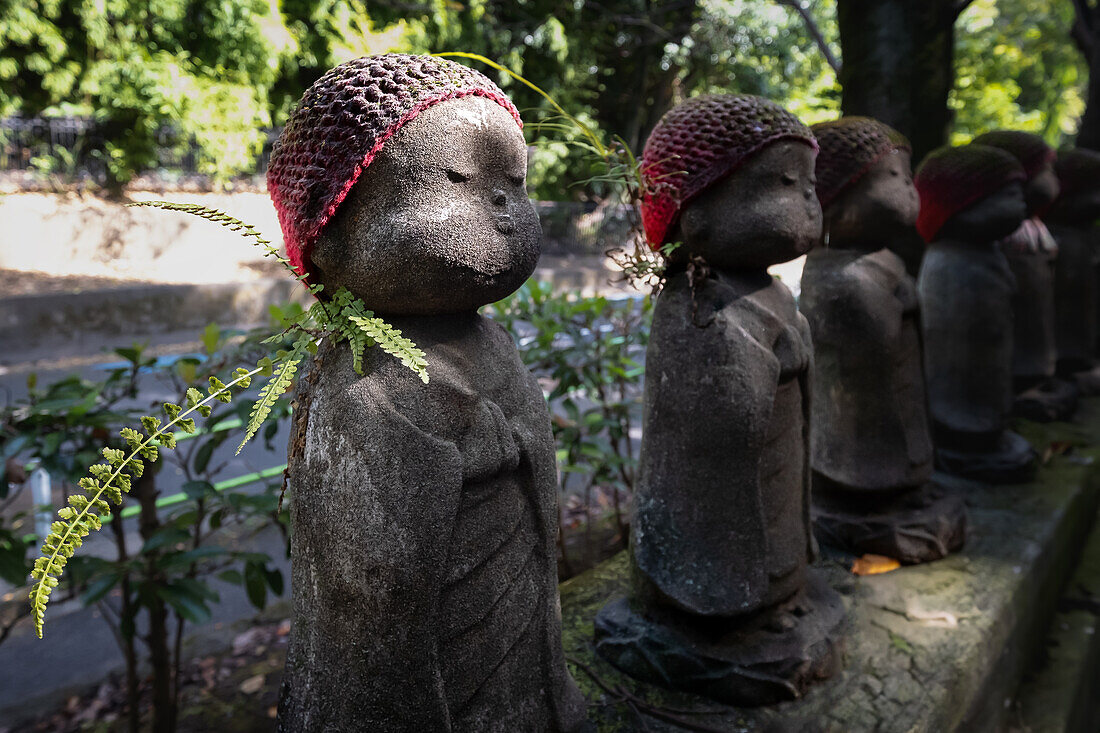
(588, 349)
(1017, 68)
(342, 318)
(281, 380)
(109, 480)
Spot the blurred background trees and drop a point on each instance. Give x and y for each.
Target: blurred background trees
(219, 75)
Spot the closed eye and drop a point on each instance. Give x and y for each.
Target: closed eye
(456, 177)
(788, 179)
(517, 180)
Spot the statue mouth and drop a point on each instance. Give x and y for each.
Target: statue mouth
(505, 224)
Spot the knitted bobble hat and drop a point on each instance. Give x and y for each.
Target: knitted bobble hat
(341, 123)
(700, 142)
(1031, 150)
(1078, 170)
(850, 147)
(951, 179)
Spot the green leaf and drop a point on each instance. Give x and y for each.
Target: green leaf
(279, 383)
(199, 489)
(99, 587)
(274, 580)
(231, 576)
(164, 537)
(188, 606)
(255, 584)
(211, 335)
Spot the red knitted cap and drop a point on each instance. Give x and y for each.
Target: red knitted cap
(1031, 150)
(341, 123)
(850, 147)
(951, 179)
(700, 142)
(1078, 170)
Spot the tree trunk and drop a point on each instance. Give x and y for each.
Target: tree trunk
(126, 640)
(898, 65)
(160, 658)
(1088, 134)
(1086, 32)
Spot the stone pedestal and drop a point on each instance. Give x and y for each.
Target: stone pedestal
(931, 648)
(914, 526)
(768, 658)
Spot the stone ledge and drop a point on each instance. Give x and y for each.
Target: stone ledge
(938, 647)
(1063, 694)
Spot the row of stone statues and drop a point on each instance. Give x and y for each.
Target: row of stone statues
(424, 516)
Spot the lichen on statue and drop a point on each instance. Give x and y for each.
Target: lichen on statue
(871, 446)
(971, 197)
(424, 516)
(1031, 253)
(723, 596)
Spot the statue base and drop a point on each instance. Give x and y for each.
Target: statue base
(769, 657)
(916, 526)
(1007, 459)
(1049, 400)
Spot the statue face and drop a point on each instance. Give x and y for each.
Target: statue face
(440, 221)
(764, 213)
(994, 217)
(876, 208)
(1041, 190)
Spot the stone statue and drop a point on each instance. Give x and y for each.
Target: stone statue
(723, 603)
(871, 446)
(1031, 252)
(970, 198)
(424, 516)
(1073, 222)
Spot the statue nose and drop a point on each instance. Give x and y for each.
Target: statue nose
(499, 198)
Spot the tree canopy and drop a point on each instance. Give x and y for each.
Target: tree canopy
(220, 72)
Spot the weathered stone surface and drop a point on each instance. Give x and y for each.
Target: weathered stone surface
(871, 446)
(966, 289)
(932, 648)
(720, 537)
(424, 515)
(1062, 695)
(919, 525)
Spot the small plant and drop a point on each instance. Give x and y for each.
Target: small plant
(341, 317)
(587, 352)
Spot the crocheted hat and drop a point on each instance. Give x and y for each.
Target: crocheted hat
(700, 142)
(951, 179)
(850, 147)
(1031, 150)
(1078, 170)
(341, 123)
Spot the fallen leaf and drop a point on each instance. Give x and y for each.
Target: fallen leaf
(252, 685)
(874, 564)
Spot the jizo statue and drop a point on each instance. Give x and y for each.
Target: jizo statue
(424, 574)
(724, 603)
(971, 198)
(1031, 252)
(871, 444)
(1073, 221)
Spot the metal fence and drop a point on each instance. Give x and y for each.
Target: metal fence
(74, 145)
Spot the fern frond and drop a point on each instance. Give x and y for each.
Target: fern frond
(229, 222)
(390, 340)
(275, 388)
(112, 478)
